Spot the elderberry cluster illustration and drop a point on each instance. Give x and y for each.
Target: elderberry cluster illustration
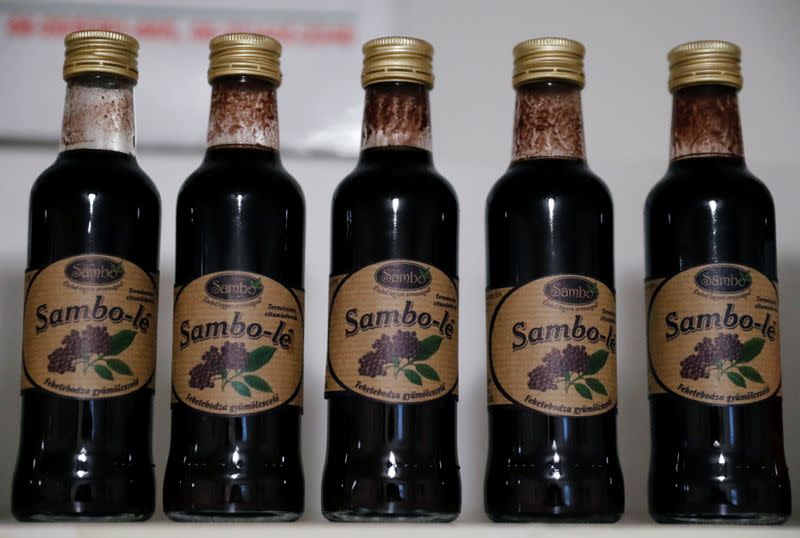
(401, 352)
(725, 356)
(570, 367)
(92, 348)
(232, 364)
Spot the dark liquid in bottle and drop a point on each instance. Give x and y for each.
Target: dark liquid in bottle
(241, 211)
(547, 217)
(392, 461)
(712, 462)
(89, 459)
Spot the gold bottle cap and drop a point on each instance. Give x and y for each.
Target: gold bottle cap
(548, 58)
(397, 59)
(100, 51)
(245, 54)
(705, 62)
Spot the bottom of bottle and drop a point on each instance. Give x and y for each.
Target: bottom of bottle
(54, 497)
(581, 493)
(552, 518)
(232, 517)
(721, 519)
(369, 515)
(45, 517)
(431, 497)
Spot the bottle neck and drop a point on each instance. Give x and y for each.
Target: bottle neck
(396, 114)
(244, 113)
(548, 122)
(98, 114)
(705, 122)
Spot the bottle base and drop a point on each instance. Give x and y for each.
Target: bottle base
(44, 517)
(722, 519)
(372, 516)
(232, 517)
(552, 518)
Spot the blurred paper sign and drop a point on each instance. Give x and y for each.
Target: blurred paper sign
(320, 99)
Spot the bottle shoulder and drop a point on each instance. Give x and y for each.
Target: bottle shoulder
(256, 175)
(106, 174)
(692, 182)
(376, 180)
(533, 180)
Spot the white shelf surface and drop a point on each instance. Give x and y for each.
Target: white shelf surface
(629, 526)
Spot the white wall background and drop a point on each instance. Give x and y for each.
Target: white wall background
(627, 113)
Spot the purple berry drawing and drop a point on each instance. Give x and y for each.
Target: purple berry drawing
(232, 365)
(92, 349)
(571, 367)
(725, 356)
(401, 353)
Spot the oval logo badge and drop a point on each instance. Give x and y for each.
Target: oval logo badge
(572, 290)
(95, 270)
(403, 276)
(234, 287)
(724, 279)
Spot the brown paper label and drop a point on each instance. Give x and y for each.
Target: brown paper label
(89, 328)
(552, 346)
(393, 333)
(237, 344)
(713, 335)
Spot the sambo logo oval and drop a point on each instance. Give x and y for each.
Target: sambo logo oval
(723, 279)
(95, 270)
(234, 287)
(403, 276)
(572, 290)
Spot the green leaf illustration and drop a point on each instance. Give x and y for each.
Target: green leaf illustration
(257, 383)
(751, 350)
(119, 366)
(596, 385)
(120, 342)
(583, 390)
(413, 377)
(428, 347)
(751, 373)
(103, 372)
(427, 371)
(241, 388)
(596, 361)
(258, 358)
(736, 379)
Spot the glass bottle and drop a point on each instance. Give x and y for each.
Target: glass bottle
(712, 310)
(393, 330)
(91, 298)
(551, 310)
(238, 323)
